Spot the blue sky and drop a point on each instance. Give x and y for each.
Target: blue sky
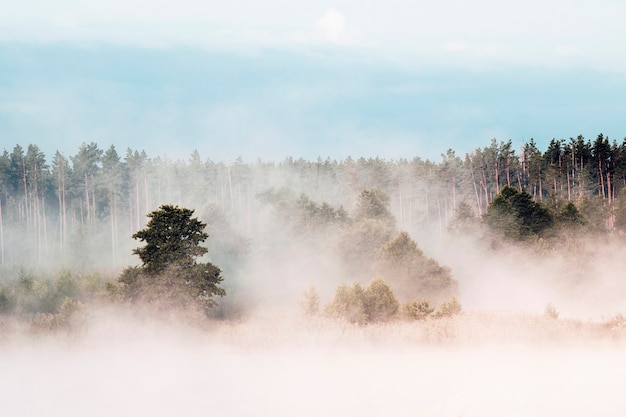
(309, 78)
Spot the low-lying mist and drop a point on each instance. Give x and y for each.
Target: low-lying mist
(282, 364)
(341, 299)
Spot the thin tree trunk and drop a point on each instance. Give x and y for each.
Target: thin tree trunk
(147, 192)
(569, 190)
(1, 234)
(478, 205)
(602, 194)
(137, 204)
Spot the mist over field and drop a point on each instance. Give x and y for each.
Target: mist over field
(465, 287)
(310, 208)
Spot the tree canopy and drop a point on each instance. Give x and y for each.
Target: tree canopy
(514, 214)
(170, 275)
(172, 236)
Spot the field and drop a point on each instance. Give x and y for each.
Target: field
(280, 364)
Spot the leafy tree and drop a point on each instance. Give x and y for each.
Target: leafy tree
(374, 204)
(412, 273)
(169, 274)
(464, 219)
(373, 225)
(348, 304)
(514, 214)
(570, 216)
(379, 302)
(171, 236)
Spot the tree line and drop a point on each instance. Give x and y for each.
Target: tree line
(84, 208)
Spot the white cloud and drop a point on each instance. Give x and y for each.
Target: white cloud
(534, 32)
(456, 46)
(332, 25)
(568, 51)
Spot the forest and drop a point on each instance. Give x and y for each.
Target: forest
(332, 226)
(56, 208)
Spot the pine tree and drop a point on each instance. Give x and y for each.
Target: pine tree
(170, 275)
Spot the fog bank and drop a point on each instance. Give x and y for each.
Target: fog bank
(310, 367)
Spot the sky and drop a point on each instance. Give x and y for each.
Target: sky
(277, 78)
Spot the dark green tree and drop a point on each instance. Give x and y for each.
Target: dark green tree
(411, 273)
(514, 214)
(170, 275)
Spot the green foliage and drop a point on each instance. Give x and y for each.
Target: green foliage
(172, 236)
(450, 308)
(348, 304)
(417, 310)
(413, 273)
(357, 305)
(515, 215)
(361, 241)
(6, 303)
(64, 318)
(39, 297)
(303, 214)
(464, 218)
(596, 211)
(379, 302)
(374, 204)
(569, 216)
(620, 211)
(170, 276)
(97, 196)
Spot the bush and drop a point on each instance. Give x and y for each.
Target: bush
(418, 310)
(379, 302)
(450, 308)
(550, 312)
(357, 305)
(311, 301)
(348, 304)
(6, 303)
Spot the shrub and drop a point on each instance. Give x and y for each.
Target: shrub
(450, 308)
(311, 301)
(551, 312)
(6, 303)
(379, 302)
(357, 305)
(418, 310)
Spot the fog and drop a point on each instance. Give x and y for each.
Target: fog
(305, 367)
(70, 346)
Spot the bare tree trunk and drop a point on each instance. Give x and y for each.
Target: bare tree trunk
(146, 192)
(137, 204)
(602, 194)
(454, 193)
(410, 212)
(232, 198)
(87, 205)
(113, 240)
(401, 205)
(508, 170)
(478, 205)
(540, 184)
(1, 234)
(569, 190)
(440, 219)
